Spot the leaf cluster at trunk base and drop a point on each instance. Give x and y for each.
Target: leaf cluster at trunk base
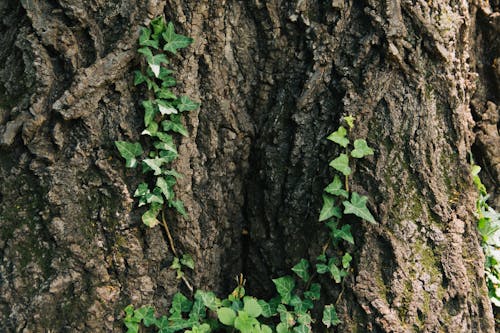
(297, 296)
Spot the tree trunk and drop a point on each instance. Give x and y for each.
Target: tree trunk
(274, 79)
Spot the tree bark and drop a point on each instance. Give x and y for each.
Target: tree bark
(274, 79)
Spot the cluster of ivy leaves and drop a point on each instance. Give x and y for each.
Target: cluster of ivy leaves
(296, 295)
(162, 119)
(489, 229)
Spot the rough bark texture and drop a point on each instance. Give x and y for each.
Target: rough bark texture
(274, 78)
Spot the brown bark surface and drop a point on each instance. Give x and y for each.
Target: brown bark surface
(274, 79)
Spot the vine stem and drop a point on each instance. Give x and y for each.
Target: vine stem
(174, 251)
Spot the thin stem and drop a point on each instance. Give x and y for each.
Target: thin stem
(167, 230)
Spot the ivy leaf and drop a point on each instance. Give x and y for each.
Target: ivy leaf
(301, 329)
(198, 310)
(341, 164)
(282, 328)
(188, 261)
(180, 304)
(322, 268)
(329, 210)
(302, 269)
(350, 121)
(144, 39)
(165, 93)
(251, 306)
(146, 51)
(330, 316)
(357, 206)
(244, 323)
(132, 327)
(346, 260)
(179, 206)
(151, 130)
(208, 298)
(149, 218)
(174, 41)
(267, 309)
(155, 164)
(226, 316)
(314, 292)
(334, 271)
(344, 233)
(139, 78)
(361, 149)
(146, 314)
(339, 137)
(185, 104)
(337, 188)
(165, 188)
(175, 125)
(149, 112)
(129, 151)
(284, 286)
(165, 107)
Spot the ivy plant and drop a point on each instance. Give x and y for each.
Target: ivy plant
(162, 117)
(489, 228)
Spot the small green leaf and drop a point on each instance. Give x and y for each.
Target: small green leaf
(139, 78)
(282, 328)
(314, 292)
(180, 303)
(346, 260)
(330, 316)
(361, 149)
(251, 306)
(350, 121)
(129, 151)
(155, 164)
(267, 310)
(149, 218)
(334, 271)
(198, 310)
(188, 261)
(322, 268)
(344, 233)
(165, 107)
(149, 112)
(336, 187)
(226, 316)
(175, 125)
(301, 329)
(341, 164)
(339, 137)
(165, 188)
(179, 206)
(357, 206)
(146, 51)
(141, 190)
(185, 104)
(146, 314)
(302, 269)
(165, 93)
(174, 41)
(132, 327)
(329, 210)
(151, 130)
(207, 297)
(284, 286)
(244, 323)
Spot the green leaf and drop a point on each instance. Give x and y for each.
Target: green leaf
(302, 269)
(144, 39)
(314, 292)
(155, 164)
(151, 130)
(132, 327)
(129, 151)
(251, 306)
(226, 316)
(284, 286)
(334, 271)
(361, 149)
(165, 93)
(282, 328)
(165, 188)
(198, 310)
(139, 78)
(149, 218)
(346, 260)
(141, 190)
(339, 137)
(301, 329)
(185, 104)
(336, 187)
(357, 206)
(188, 261)
(175, 125)
(179, 207)
(341, 164)
(344, 233)
(329, 210)
(322, 268)
(149, 112)
(180, 304)
(207, 297)
(350, 121)
(267, 310)
(146, 314)
(146, 51)
(165, 107)
(174, 41)
(330, 316)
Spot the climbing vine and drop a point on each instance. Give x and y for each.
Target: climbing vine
(297, 295)
(489, 229)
